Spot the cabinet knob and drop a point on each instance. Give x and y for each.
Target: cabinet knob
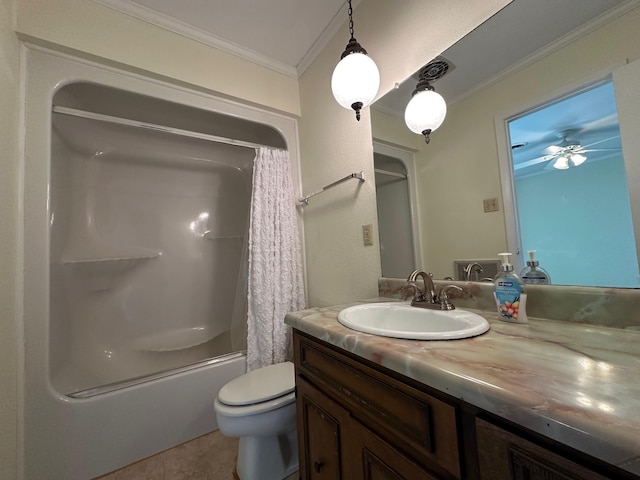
(318, 466)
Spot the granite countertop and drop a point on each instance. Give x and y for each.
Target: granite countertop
(579, 385)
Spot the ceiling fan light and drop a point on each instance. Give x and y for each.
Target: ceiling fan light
(355, 81)
(561, 163)
(577, 159)
(425, 112)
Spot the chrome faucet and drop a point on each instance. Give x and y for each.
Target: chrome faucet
(424, 298)
(427, 298)
(470, 268)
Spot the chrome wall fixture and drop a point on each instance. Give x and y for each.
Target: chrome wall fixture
(356, 79)
(305, 199)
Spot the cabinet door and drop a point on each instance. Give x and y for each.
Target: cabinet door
(334, 446)
(505, 456)
(420, 425)
(322, 435)
(380, 461)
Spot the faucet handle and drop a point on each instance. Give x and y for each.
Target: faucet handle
(445, 303)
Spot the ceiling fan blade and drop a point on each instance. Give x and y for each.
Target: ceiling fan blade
(601, 141)
(603, 123)
(553, 149)
(530, 163)
(600, 150)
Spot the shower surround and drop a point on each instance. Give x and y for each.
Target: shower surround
(137, 198)
(147, 239)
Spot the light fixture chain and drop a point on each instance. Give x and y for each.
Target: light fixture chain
(350, 12)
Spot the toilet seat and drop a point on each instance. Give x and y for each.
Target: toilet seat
(255, 408)
(259, 386)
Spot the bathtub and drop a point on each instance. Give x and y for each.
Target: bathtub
(80, 439)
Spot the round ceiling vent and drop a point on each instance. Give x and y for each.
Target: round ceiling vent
(435, 69)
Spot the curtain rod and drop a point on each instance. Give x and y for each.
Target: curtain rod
(74, 112)
(359, 176)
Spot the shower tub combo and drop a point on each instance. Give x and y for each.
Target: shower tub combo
(137, 199)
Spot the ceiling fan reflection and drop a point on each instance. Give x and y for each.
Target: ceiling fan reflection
(566, 154)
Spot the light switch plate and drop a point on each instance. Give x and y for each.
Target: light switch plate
(490, 205)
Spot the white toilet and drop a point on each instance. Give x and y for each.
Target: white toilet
(259, 407)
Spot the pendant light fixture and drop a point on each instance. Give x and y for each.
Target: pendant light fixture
(356, 79)
(426, 110)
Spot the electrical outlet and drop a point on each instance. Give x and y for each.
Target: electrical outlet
(367, 234)
(490, 205)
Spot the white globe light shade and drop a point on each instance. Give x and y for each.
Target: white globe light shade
(355, 79)
(425, 111)
(577, 159)
(562, 163)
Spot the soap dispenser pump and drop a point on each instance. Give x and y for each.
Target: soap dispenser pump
(510, 293)
(533, 273)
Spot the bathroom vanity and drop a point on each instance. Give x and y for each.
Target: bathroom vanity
(541, 401)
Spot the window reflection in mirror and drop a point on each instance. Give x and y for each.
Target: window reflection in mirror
(570, 186)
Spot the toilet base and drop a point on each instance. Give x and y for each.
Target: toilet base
(268, 457)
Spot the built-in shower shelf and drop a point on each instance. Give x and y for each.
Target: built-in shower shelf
(103, 270)
(176, 339)
(209, 235)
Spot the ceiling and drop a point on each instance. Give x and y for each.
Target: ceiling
(517, 35)
(286, 35)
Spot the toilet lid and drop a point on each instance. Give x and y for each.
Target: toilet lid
(259, 385)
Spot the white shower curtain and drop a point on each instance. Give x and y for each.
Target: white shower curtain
(275, 260)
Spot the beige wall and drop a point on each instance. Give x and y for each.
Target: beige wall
(400, 37)
(86, 26)
(9, 105)
(459, 168)
(392, 130)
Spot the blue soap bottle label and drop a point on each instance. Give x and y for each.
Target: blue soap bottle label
(510, 294)
(508, 298)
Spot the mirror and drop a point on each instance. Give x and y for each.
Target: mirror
(526, 56)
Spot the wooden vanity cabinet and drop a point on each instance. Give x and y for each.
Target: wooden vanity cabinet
(336, 446)
(357, 420)
(357, 423)
(505, 456)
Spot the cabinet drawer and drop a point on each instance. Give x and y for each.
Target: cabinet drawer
(505, 456)
(419, 424)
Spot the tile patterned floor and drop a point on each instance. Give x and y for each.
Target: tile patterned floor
(210, 457)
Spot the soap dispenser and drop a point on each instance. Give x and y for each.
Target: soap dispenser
(509, 292)
(533, 273)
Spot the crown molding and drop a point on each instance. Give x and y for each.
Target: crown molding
(181, 28)
(336, 23)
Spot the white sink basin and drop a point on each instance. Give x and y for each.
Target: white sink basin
(401, 320)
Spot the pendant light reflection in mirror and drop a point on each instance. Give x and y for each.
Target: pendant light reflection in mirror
(426, 110)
